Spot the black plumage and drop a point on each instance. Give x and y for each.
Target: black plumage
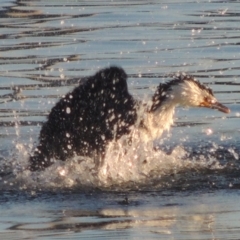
(86, 119)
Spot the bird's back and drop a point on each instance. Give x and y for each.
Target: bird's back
(86, 119)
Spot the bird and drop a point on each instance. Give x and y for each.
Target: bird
(101, 110)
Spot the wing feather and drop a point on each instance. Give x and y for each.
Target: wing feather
(99, 110)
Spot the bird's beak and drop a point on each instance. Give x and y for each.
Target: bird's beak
(216, 105)
(220, 107)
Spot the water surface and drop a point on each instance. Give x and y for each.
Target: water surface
(48, 46)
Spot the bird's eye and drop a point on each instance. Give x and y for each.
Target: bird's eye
(207, 102)
(210, 100)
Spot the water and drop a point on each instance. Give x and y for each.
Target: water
(187, 191)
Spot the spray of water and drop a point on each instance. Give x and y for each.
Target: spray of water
(140, 165)
(137, 167)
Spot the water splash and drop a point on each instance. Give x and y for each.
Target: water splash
(137, 167)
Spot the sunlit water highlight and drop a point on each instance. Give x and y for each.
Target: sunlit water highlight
(173, 190)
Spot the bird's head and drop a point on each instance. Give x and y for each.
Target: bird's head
(185, 90)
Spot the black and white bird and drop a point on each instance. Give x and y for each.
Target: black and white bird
(101, 110)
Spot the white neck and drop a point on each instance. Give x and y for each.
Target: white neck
(155, 123)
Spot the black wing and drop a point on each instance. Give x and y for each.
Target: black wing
(86, 119)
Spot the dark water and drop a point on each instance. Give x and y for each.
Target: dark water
(48, 46)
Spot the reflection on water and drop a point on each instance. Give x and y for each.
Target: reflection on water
(171, 216)
(47, 47)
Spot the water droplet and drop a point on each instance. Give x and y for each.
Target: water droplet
(164, 6)
(223, 11)
(68, 110)
(62, 172)
(208, 131)
(235, 155)
(67, 135)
